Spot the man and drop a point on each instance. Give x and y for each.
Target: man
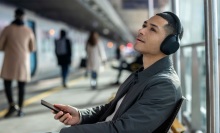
(63, 53)
(17, 41)
(147, 97)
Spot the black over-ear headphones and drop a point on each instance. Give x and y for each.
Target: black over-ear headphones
(172, 42)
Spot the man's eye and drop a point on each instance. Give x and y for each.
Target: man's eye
(152, 29)
(144, 26)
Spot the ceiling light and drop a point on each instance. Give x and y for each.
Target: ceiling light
(106, 31)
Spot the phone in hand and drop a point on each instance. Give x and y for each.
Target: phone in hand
(50, 106)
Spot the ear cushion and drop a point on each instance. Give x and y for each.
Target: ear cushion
(170, 45)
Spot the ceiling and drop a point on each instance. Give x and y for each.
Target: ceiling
(115, 19)
(81, 14)
(134, 12)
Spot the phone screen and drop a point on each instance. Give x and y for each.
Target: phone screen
(50, 106)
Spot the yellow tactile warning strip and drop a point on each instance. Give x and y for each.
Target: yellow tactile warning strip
(44, 94)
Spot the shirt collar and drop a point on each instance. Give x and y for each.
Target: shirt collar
(158, 66)
(18, 22)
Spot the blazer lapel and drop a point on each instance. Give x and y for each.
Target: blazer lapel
(143, 76)
(124, 87)
(131, 97)
(120, 93)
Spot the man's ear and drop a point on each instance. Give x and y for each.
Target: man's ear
(170, 44)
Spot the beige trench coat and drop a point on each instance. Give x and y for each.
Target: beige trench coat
(94, 57)
(17, 42)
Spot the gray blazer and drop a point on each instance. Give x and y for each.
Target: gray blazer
(151, 96)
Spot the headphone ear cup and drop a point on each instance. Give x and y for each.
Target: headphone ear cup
(170, 45)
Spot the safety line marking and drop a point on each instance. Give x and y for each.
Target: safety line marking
(43, 95)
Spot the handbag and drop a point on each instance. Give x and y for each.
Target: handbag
(83, 63)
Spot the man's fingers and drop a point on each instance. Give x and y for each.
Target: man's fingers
(58, 115)
(66, 122)
(60, 106)
(64, 108)
(64, 117)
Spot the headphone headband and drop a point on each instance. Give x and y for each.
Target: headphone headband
(171, 43)
(177, 20)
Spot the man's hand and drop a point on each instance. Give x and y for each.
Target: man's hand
(69, 115)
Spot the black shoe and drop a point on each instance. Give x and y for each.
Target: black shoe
(65, 86)
(86, 74)
(116, 83)
(94, 87)
(11, 110)
(20, 113)
(114, 67)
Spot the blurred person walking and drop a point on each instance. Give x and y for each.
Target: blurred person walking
(17, 41)
(118, 53)
(131, 67)
(63, 53)
(94, 58)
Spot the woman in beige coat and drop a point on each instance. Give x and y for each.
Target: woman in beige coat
(93, 57)
(17, 41)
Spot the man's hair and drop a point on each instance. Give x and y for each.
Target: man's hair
(19, 12)
(92, 40)
(171, 30)
(172, 26)
(62, 33)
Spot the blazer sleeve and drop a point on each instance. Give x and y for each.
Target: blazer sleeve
(144, 116)
(92, 115)
(3, 40)
(69, 45)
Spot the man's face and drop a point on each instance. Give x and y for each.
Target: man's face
(151, 35)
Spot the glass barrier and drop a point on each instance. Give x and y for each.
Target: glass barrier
(193, 81)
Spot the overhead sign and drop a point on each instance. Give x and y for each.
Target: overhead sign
(134, 4)
(139, 4)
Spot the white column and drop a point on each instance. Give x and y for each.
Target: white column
(212, 77)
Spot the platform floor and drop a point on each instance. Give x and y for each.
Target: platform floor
(39, 119)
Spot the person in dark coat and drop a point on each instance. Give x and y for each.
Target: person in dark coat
(131, 67)
(63, 53)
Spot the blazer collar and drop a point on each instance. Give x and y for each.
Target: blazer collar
(158, 66)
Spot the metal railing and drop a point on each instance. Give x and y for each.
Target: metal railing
(193, 81)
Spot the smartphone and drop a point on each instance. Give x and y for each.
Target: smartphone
(50, 106)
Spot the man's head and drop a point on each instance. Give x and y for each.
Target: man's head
(19, 13)
(62, 33)
(159, 31)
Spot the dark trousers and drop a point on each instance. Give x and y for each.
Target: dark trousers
(93, 81)
(8, 92)
(94, 75)
(120, 69)
(64, 72)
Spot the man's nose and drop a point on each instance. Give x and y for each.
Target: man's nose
(140, 32)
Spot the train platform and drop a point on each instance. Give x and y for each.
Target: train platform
(39, 119)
